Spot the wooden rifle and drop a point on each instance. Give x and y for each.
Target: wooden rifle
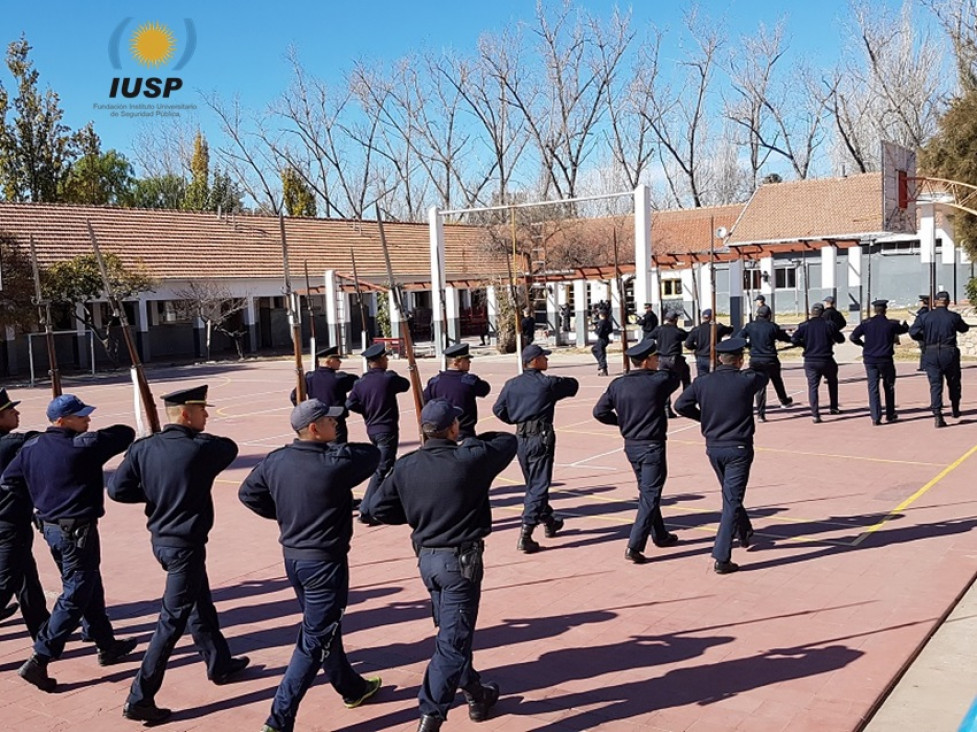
(118, 311)
(293, 317)
(623, 308)
(415, 377)
(44, 317)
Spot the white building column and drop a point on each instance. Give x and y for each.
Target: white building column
(644, 283)
(436, 240)
(582, 314)
(333, 316)
(736, 313)
(251, 323)
(492, 311)
(687, 278)
(553, 311)
(768, 282)
(704, 275)
(142, 330)
(854, 281)
(453, 313)
(829, 263)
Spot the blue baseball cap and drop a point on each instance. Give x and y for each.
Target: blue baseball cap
(307, 412)
(67, 405)
(438, 414)
(534, 351)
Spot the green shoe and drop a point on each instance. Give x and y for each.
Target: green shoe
(372, 687)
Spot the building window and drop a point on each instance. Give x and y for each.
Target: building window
(752, 279)
(785, 278)
(672, 287)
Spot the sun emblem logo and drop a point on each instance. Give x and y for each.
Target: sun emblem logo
(152, 44)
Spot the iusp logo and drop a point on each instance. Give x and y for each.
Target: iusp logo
(151, 45)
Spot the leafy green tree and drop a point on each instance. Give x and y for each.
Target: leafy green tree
(224, 194)
(36, 147)
(97, 178)
(17, 308)
(952, 154)
(299, 198)
(76, 284)
(165, 191)
(198, 190)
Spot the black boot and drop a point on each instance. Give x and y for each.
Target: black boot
(552, 526)
(955, 409)
(526, 543)
(429, 723)
(940, 422)
(481, 702)
(34, 671)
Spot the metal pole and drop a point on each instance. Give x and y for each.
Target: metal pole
(513, 294)
(622, 308)
(30, 355)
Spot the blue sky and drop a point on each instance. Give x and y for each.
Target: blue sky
(240, 46)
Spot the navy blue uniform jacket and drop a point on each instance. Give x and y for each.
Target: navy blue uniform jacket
(62, 470)
(648, 322)
(460, 388)
(375, 397)
(604, 329)
(635, 402)
(532, 395)
(442, 490)
(328, 385)
(938, 326)
(818, 337)
(669, 339)
(307, 487)
(15, 506)
(763, 336)
(722, 401)
(877, 336)
(700, 337)
(833, 315)
(173, 473)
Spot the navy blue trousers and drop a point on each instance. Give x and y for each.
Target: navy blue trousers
(599, 349)
(82, 593)
(535, 454)
(772, 370)
(186, 601)
(885, 373)
(322, 589)
(942, 362)
(702, 365)
(454, 604)
(651, 469)
(18, 576)
(815, 371)
(732, 467)
(386, 443)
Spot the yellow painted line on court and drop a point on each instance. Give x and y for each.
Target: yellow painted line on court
(915, 496)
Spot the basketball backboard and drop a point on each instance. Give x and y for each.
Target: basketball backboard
(898, 189)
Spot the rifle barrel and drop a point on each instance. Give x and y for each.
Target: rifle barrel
(293, 315)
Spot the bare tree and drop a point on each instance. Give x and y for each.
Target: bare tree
(779, 109)
(890, 92)
(213, 303)
(679, 116)
(959, 20)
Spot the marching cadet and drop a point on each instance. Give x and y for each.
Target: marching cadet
(763, 335)
(330, 385)
(173, 473)
(722, 402)
(699, 341)
(529, 401)
(832, 314)
(442, 492)
(877, 336)
(18, 570)
(603, 331)
(460, 387)
(648, 321)
(307, 487)
(924, 301)
(375, 397)
(670, 338)
(818, 336)
(937, 331)
(635, 402)
(61, 469)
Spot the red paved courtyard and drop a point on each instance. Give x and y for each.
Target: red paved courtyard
(866, 538)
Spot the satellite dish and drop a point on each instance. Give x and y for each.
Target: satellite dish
(722, 232)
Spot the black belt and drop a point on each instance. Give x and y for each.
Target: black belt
(466, 547)
(939, 345)
(533, 427)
